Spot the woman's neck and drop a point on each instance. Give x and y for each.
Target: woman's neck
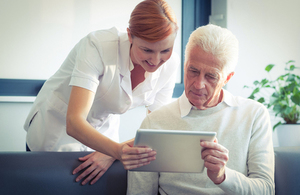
(137, 75)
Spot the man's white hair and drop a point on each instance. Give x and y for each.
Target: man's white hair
(219, 42)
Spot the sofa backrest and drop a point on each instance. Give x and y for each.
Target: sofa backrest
(51, 173)
(287, 170)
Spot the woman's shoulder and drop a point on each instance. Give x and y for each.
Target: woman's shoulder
(105, 35)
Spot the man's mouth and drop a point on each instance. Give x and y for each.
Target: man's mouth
(198, 94)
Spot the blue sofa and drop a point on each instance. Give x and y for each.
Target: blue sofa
(51, 173)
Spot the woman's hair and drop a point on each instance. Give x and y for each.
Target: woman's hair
(219, 42)
(152, 20)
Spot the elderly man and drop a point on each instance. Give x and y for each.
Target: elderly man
(241, 159)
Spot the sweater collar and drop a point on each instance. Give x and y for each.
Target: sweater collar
(185, 105)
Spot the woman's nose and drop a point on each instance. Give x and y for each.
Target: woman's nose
(155, 59)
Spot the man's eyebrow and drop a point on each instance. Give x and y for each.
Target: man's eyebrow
(192, 67)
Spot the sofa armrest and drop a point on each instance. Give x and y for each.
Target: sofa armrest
(287, 170)
(51, 173)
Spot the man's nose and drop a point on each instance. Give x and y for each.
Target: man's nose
(199, 82)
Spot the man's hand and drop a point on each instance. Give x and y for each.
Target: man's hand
(134, 157)
(215, 158)
(97, 164)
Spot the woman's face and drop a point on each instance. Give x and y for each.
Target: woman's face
(150, 55)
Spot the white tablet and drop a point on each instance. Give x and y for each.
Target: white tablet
(176, 151)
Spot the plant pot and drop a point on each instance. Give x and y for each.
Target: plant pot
(288, 134)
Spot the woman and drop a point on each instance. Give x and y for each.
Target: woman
(107, 73)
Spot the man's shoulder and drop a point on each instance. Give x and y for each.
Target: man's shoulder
(172, 107)
(249, 105)
(165, 113)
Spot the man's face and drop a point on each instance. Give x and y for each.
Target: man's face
(203, 79)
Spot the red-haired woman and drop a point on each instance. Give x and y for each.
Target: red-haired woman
(107, 73)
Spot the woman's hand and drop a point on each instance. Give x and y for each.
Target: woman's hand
(134, 157)
(97, 164)
(215, 158)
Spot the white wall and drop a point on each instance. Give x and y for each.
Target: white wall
(269, 33)
(37, 35)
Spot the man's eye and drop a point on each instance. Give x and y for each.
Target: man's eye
(211, 77)
(165, 51)
(147, 50)
(193, 72)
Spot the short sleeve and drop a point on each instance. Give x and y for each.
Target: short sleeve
(88, 64)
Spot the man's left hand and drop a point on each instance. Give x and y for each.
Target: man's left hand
(215, 158)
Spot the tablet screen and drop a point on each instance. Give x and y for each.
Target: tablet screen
(176, 150)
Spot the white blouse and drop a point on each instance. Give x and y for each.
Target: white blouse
(100, 62)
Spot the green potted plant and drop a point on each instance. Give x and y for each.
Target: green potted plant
(284, 95)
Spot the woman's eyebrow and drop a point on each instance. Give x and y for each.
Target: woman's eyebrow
(167, 49)
(142, 47)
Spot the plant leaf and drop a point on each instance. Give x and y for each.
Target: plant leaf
(261, 100)
(251, 97)
(269, 67)
(276, 125)
(292, 67)
(264, 81)
(256, 82)
(275, 94)
(277, 108)
(256, 90)
(290, 62)
(291, 78)
(296, 98)
(288, 111)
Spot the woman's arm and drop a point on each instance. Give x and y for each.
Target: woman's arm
(80, 104)
(77, 126)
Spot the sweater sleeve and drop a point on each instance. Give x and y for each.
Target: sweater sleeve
(260, 162)
(142, 183)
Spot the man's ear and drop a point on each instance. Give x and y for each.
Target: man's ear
(228, 77)
(129, 35)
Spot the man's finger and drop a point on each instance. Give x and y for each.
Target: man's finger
(212, 145)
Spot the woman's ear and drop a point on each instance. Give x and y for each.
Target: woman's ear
(129, 35)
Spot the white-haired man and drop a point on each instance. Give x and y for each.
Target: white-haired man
(241, 160)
